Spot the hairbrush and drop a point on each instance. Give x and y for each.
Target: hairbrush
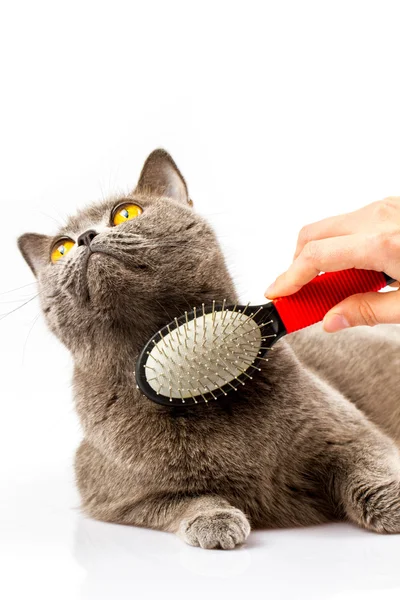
(213, 350)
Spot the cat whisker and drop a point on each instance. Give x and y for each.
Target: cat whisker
(11, 301)
(121, 254)
(59, 223)
(187, 302)
(18, 307)
(71, 273)
(164, 309)
(126, 236)
(134, 244)
(18, 288)
(27, 337)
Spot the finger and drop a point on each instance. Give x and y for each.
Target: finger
(332, 254)
(364, 309)
(344, 224)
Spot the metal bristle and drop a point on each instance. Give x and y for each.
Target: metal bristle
(194, 358)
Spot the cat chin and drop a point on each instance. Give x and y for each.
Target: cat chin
(109, 283)
(101, 268)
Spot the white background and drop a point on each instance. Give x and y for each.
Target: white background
(278, 114)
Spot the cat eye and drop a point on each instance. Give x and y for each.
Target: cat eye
(60, 249)
(125, 212)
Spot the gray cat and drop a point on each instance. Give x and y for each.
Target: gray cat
(314, 438)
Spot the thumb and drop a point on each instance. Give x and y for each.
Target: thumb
(364, 309)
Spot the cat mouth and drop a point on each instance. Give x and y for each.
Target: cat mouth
(84, 285)
(122, 259)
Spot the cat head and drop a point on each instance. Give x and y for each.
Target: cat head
(124, 267)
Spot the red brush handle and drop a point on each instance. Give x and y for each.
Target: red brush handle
(310, 304)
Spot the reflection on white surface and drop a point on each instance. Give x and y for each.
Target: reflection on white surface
(331, 562)
(49, 550)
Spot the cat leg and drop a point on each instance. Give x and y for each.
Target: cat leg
(208, 521)
(212, 523)
(366, 479)
(205, 521)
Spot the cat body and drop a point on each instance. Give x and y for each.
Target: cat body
(315, 437)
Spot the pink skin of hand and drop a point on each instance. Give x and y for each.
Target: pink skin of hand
(368, 238)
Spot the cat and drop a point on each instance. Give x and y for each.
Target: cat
(313, 438)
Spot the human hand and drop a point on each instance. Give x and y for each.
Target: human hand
(368, 238)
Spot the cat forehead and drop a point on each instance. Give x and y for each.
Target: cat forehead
(96, 216)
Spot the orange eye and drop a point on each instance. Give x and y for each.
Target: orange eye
(61, 249)
(126, 212)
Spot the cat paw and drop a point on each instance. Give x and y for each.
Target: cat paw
(377, 508)
(219, 528)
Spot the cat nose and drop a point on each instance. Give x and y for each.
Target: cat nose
(86, 237)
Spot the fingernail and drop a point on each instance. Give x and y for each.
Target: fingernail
(269, 290)
(335, 322)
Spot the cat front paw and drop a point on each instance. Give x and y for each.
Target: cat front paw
(219, 528)
(377, 508)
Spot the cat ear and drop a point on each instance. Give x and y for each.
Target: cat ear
(161, 177)
(35, 250)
